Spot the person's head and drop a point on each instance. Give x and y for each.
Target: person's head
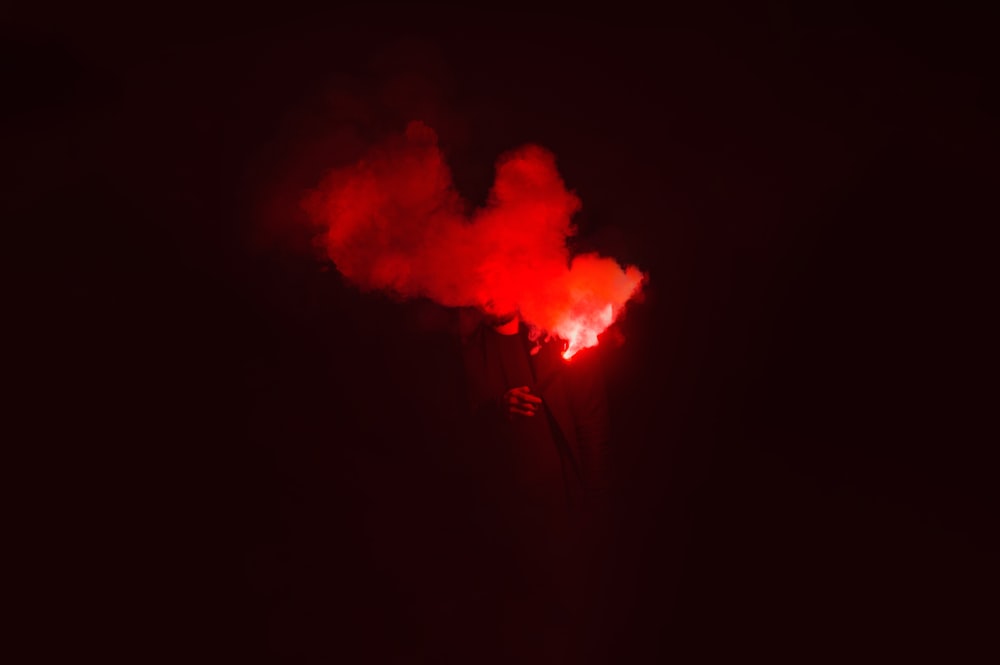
(499, 313)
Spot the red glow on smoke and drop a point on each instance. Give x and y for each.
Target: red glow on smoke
(394, 221)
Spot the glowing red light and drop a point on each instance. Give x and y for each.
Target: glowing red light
(393, 221)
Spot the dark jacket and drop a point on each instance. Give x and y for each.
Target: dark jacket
(573, 393)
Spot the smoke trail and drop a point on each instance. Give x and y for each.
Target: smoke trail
(393, 221)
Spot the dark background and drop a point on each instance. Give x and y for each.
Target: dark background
(239, 450)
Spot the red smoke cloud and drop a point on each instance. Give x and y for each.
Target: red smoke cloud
(393, 221)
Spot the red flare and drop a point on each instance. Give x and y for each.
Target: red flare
(393, 221)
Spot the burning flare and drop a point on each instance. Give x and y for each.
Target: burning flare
(394, 221)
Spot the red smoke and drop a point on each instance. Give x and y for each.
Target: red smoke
(393, 221)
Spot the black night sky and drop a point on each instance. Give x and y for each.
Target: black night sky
(248, 457)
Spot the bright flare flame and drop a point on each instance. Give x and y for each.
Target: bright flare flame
(581, 332)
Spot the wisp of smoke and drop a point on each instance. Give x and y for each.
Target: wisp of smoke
(394, 222)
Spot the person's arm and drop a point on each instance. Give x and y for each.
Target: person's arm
(514, 403)
(588, 399)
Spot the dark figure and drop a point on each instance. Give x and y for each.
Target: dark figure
(541, 435)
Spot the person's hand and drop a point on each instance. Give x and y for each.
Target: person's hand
(520, 402)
